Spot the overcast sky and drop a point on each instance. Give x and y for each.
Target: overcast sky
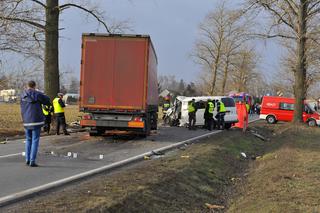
(172, 25)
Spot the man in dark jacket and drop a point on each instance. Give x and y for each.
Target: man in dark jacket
(58, 107)
(33, 119)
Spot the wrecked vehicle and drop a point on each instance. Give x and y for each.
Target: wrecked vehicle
(177, 115)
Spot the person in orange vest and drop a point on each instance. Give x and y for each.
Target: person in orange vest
(58, 108)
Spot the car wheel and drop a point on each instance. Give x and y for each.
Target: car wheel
(271, 119)
(312, 123)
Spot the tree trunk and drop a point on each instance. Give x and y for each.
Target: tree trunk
(300, 74)
(215, 72)
(225, 76)
(51, 62)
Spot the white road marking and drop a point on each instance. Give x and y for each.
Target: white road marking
(23, 194)
(11, 155)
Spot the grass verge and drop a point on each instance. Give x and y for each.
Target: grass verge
(11, 122)
(284, 178)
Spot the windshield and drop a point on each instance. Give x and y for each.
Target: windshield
(311, 107)
(228, 102)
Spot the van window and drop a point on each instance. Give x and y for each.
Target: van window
(201, 105)
(286, 106)
(228, 102)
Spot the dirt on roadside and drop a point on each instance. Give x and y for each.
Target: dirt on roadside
(209, 176)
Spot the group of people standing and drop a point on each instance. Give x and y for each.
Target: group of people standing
(210, 123)
(36, 111)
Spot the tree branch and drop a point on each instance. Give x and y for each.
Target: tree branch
(40, 3)
(23, 21)
(65, 6)
(281, 17)
(274, 36)
(293, 7)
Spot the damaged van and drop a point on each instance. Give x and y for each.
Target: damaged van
(177, 115)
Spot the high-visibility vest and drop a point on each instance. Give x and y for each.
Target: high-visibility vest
(45, 110)
(222, 107)
(191, 108)
(57, 107)
(211, 107)
(166, 105)
(247, 107)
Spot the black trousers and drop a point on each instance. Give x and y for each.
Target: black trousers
(209, 122)
(220, 122)
(61, 121)
(47, 123)
(192, 120)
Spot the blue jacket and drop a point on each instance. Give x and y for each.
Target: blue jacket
(31, 109)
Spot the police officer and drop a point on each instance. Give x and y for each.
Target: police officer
(47, 111)
(208, 115)
(192, 114)
(58, 106)
(221, 109)
(166, 106)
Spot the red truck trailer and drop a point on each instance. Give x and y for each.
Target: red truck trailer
(118, 83)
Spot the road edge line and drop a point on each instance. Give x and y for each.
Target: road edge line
(10, 199)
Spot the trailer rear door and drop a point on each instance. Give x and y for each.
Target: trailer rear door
(113, 72)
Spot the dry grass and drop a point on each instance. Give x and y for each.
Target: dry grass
(11, 122)
(286, 179)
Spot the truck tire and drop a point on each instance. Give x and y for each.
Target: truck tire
(147, 127)
(154, 121)
(271, 119)
(312, 123)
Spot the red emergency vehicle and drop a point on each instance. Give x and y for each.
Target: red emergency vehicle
(274, 109)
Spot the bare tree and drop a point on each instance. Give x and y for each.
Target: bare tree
(42, 17)
(294, 20)
(244, 71)
(237, 34)
(223, 33)
(209, 47)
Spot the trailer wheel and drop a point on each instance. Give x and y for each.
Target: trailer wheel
(154, 121)
(271, 119)
(312, 123)
(148, 126)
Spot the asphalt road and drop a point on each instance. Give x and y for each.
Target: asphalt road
(15, 176)
(55, 164)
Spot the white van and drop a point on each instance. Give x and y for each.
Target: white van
(178, 114)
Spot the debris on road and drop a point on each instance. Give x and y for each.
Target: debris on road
(243, 154)
(258, 135)
(211, 206)
(146, 157)
(100, 157)
(185, 156)
(157, 153)
(3, 142)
